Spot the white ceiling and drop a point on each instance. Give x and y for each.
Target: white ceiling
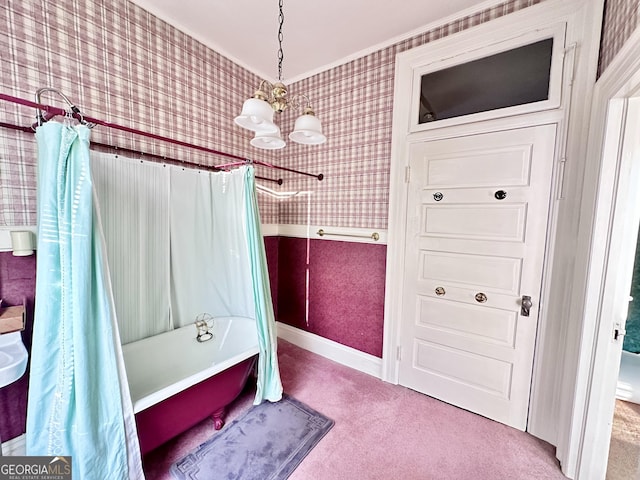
(317, 34)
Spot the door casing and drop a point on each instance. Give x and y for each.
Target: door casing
(582, 25)
(609, 220)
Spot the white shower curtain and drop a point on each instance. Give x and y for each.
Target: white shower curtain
(218, 261)
(203, 229)
(134, 202)
(209, 261)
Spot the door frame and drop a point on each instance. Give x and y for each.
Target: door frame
(583, 21)
(609, 214)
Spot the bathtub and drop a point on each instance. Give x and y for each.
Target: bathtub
(176, 381)
(629, 377)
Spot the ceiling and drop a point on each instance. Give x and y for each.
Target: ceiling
(317, 34)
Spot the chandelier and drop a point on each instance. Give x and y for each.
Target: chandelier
(258, 112)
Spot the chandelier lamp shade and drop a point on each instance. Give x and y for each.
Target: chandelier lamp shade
(258, 111)
(268, 140)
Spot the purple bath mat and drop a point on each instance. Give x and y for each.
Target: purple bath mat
(266, 443)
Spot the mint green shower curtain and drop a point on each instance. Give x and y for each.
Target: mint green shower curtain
(79, 403)
(269, 386)
(218, 261)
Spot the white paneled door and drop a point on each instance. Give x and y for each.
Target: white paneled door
(475, 241)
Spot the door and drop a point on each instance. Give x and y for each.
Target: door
(475, 241)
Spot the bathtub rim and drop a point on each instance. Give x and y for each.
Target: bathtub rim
(157, 396)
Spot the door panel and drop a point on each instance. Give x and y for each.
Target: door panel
(490, 325)
(477, 371)
(480, 222)
(479, 168)
(494, 274)
(475, 242)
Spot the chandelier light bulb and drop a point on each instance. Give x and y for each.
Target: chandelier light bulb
(268, 140)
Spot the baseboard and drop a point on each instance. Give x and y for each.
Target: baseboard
(16, 447)
(337, 352)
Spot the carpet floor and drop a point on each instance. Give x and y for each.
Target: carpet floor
(267, 442)
(383, 432)
(624, 451)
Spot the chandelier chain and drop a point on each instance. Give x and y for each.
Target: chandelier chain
(280, 38)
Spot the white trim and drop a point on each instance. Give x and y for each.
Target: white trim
(444, 53)
(582, 27)
(337, 352)
(592, 307)
(295, 231)
(16, 447)
(270, 230)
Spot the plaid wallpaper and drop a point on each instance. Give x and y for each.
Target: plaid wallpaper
(118, 63)
(354, 102)
(621, 18)
(122, 64)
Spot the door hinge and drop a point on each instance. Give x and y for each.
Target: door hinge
(407, 174)
(399, 353)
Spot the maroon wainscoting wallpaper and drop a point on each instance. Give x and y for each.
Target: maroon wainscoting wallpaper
(345, 291)
(17, 282)
(271, 246)
(292, 286)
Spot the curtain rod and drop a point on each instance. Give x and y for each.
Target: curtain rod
(152, 156)
(61, 111)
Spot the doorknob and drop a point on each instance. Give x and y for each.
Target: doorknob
(525, 305)
(500, 195)
(481, 297)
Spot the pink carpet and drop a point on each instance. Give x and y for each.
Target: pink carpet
(383, 431)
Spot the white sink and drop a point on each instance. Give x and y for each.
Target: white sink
(13, 358)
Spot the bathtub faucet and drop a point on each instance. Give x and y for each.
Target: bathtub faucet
(203, 331)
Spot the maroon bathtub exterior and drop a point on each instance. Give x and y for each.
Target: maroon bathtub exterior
(178, 413)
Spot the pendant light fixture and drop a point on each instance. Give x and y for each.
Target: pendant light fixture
(258, 112)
